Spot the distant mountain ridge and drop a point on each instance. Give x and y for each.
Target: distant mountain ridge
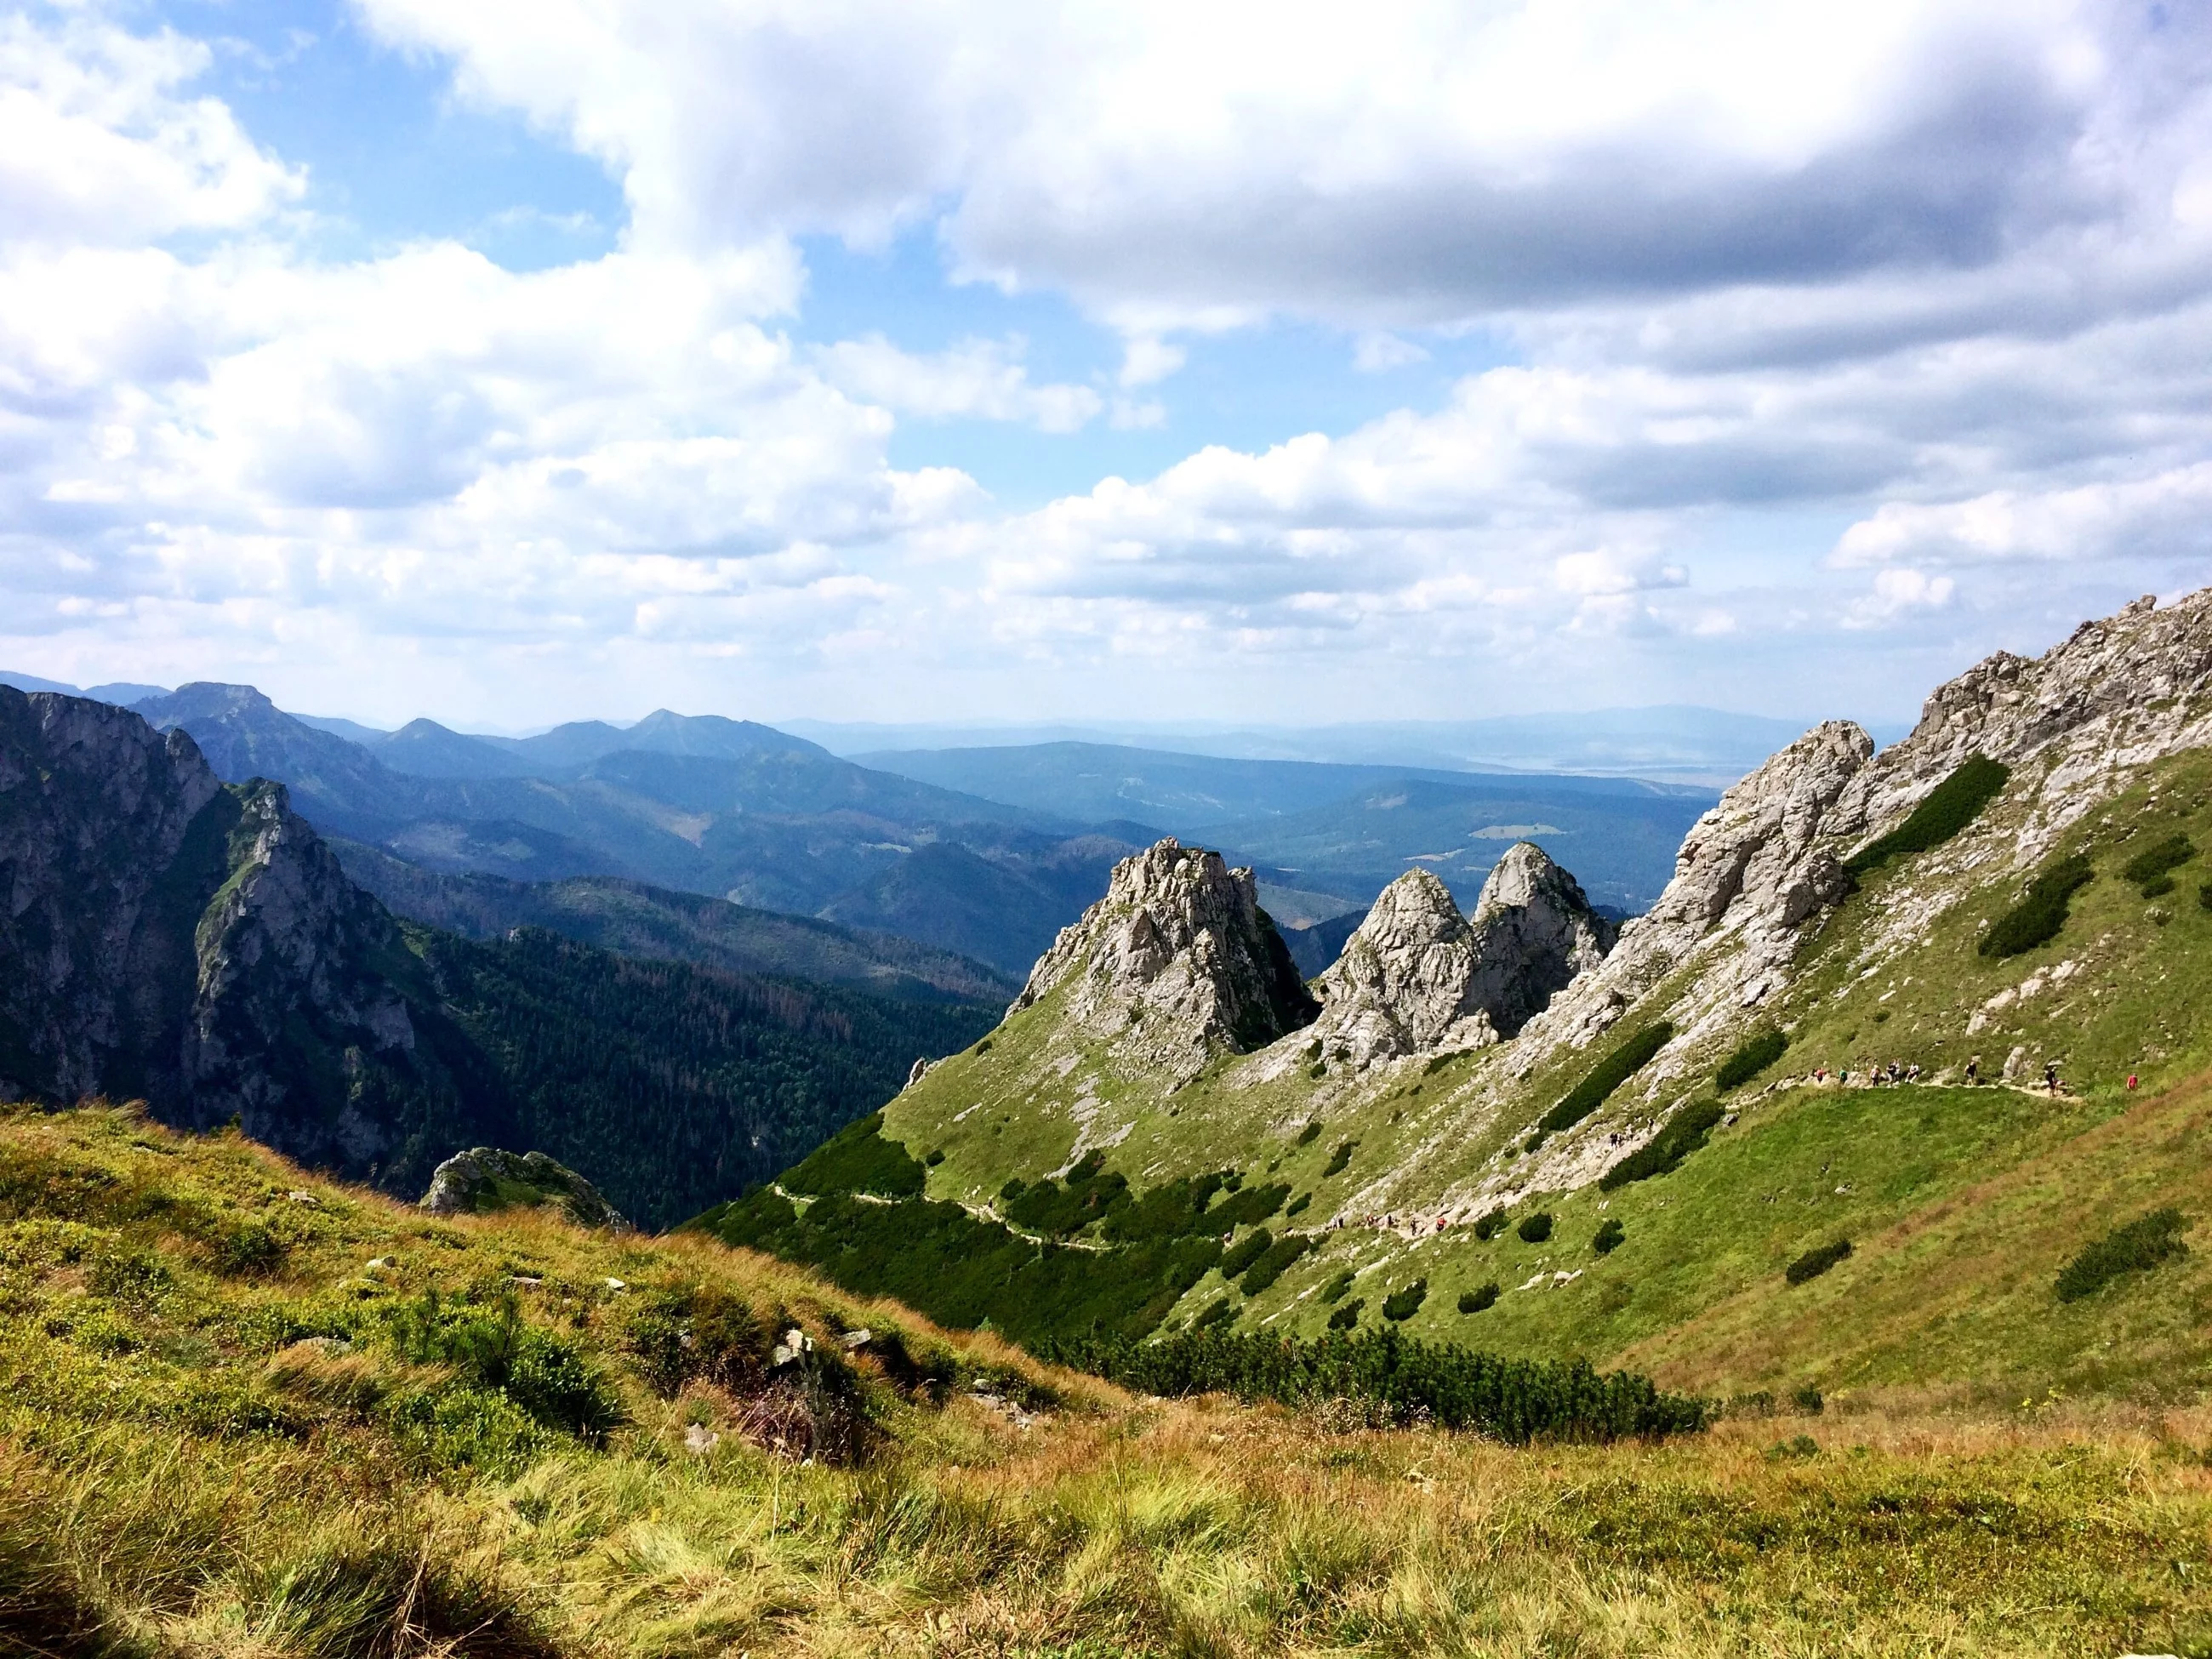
(196, 945)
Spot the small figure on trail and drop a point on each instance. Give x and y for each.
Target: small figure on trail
(2131, 1082)
(1912, 1073)
(1892, 1071)
(1974, 1070)
(2050, 1075)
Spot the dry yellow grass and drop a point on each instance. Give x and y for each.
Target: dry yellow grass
(178, 1476)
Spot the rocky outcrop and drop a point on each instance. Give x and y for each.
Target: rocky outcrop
(1750, 873)
(1176, 964)
(484, 1180)
(1417, 975)
(170, 938)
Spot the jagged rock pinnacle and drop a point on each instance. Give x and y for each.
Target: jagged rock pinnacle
(1417, 975)
(1177, 962)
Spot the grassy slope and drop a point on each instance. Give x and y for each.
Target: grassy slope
(1962, 1201)
(173, 1478)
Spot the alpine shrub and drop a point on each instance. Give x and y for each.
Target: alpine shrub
(1339, 1158)
(1298, 1206)
(1334, 1290)
(1536, 1229)
(2136, 1247)
(2041, 913)
(1808, 1400)
(1217, 1313)
(1686, 1131)
(2151, 865)
(1610, 1232)
(1491, 1226)
(859, 1159)
(1273, 1263)
(1404, 1304)
(1475, 1301)
(2204, 895)
(1515, 1401)
(1946, 810)
(1814, 1262)
(1348, 1315)
(1615, 1069)
(1244, 1254)
(1310, 1134)
(1753, 1056)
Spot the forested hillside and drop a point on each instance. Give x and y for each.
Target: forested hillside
(673, 1086)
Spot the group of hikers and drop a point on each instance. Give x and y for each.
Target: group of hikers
(1893, 1072)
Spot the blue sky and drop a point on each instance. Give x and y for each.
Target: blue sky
(511, 362)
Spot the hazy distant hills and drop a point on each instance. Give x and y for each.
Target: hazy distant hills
(982, 851)
(1347, 830)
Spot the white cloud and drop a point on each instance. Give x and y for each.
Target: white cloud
(2169, 512)
(981, 380)
(1897, 593)
(1378, 351)
(97, 144)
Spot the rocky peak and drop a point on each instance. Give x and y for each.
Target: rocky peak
(1176, 963)
(1417, 975)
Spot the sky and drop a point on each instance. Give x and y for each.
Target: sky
(515, 362)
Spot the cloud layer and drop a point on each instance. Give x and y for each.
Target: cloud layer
(1821, 328)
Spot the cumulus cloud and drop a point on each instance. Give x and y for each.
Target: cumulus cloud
(1940, 276)
(982, 379)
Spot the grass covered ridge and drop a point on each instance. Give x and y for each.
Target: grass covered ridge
(179, 1475)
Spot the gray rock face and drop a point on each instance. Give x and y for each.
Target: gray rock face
(1417, 975)
(169, 938)
(485, 1179)
(1176, 964)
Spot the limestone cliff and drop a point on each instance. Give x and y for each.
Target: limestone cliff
(1418, 977)
(170, 938)
(1176, 964)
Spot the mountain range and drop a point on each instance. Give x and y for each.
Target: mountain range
(1901, 1082)
(986, 853)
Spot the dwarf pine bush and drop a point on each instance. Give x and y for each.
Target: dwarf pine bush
(1946, 810)
(1348, 1315)
(1816, 1261)
(1536, 1229)
(1482, 1296)
(1491, 1226)
(1404, 1304)
(2138, 1247)
(2041, 911)
(1610, 1232)
(1517, 1400)
(1615, 1069)
(1752, 1056)
(1685, 1132)
(2147, 869)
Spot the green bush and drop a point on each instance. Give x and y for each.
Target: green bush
(1610, 1232)
(1684, 1133)
(2136, 1247)
(1816, 1261)
(1515, 1401)
(1339, 1158)
(1091, 1193)
(1245, 1207)
(1310, 1134)
(1245, 1252)
(1348, 1315)
(1808, 1400)
(1404, 1304)
(2158, 887)
(1536, 1229)
(495, 1348)
(1615, 1069)
(2204, 895)
(1475, 1301)
(2040, 913)
(857, 1159)
(1334, 1290)
(1753, 1056)
(1298, 1206)
(1273, 1263)
(1946, 810)
(1491, 1226)
(2150, 866)
(1223, 1311)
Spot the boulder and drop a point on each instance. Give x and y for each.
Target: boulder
(484, 1180)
